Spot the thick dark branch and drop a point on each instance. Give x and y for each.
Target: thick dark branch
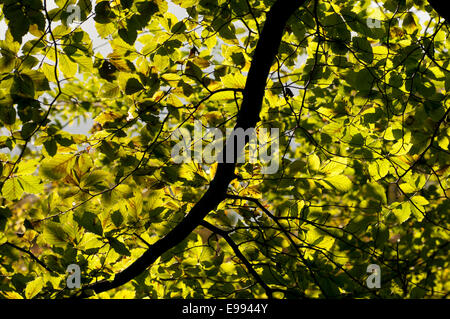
(440, 6)
(248, 116)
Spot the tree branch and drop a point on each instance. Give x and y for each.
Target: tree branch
(248, 116)
(29, 253)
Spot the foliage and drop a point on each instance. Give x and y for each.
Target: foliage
(363, 111)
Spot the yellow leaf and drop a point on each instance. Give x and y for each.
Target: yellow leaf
(201, 62)
(334, 166)
(420, 200)
(340, 182)
(314, 162)
(31, 184)
(171, 77)
(49, 72)
(27, 167)
(11, 295)
(11, 189)
(56, 167)
(407, 188)
(234, 80)
(33, 288)
(109, 116)
(67, 66)
(402, 212)
(161, 62)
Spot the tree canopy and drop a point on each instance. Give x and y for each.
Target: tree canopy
(358, 91)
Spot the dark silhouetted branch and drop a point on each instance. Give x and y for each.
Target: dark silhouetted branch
(248, 116)
(29, 253)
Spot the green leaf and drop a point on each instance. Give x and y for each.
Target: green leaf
(161, 62)
(23, 86)
(7, 59)
(363, 49)
(410, 22)
(359, 224)
(295, 210)
(90, 222)
(54, 234)
(117, 218)
(178, 28)
(103, 12)
(407, 188)
(119, 247)
(329, 287)
(395, 79)
(361, 80)
(418, 293)
(133, 85)
(194, 71)
(18, 22)
(98, 180)
(39, 80)
(418, 212)
(146, 10)
(381, 235)
(297, 166)
(336, 27)
(8, 114)
(128, 35)
(27, 130)
(364, 80)
(105, 30)
(56, 167)
(51, 147)
(225, 28)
